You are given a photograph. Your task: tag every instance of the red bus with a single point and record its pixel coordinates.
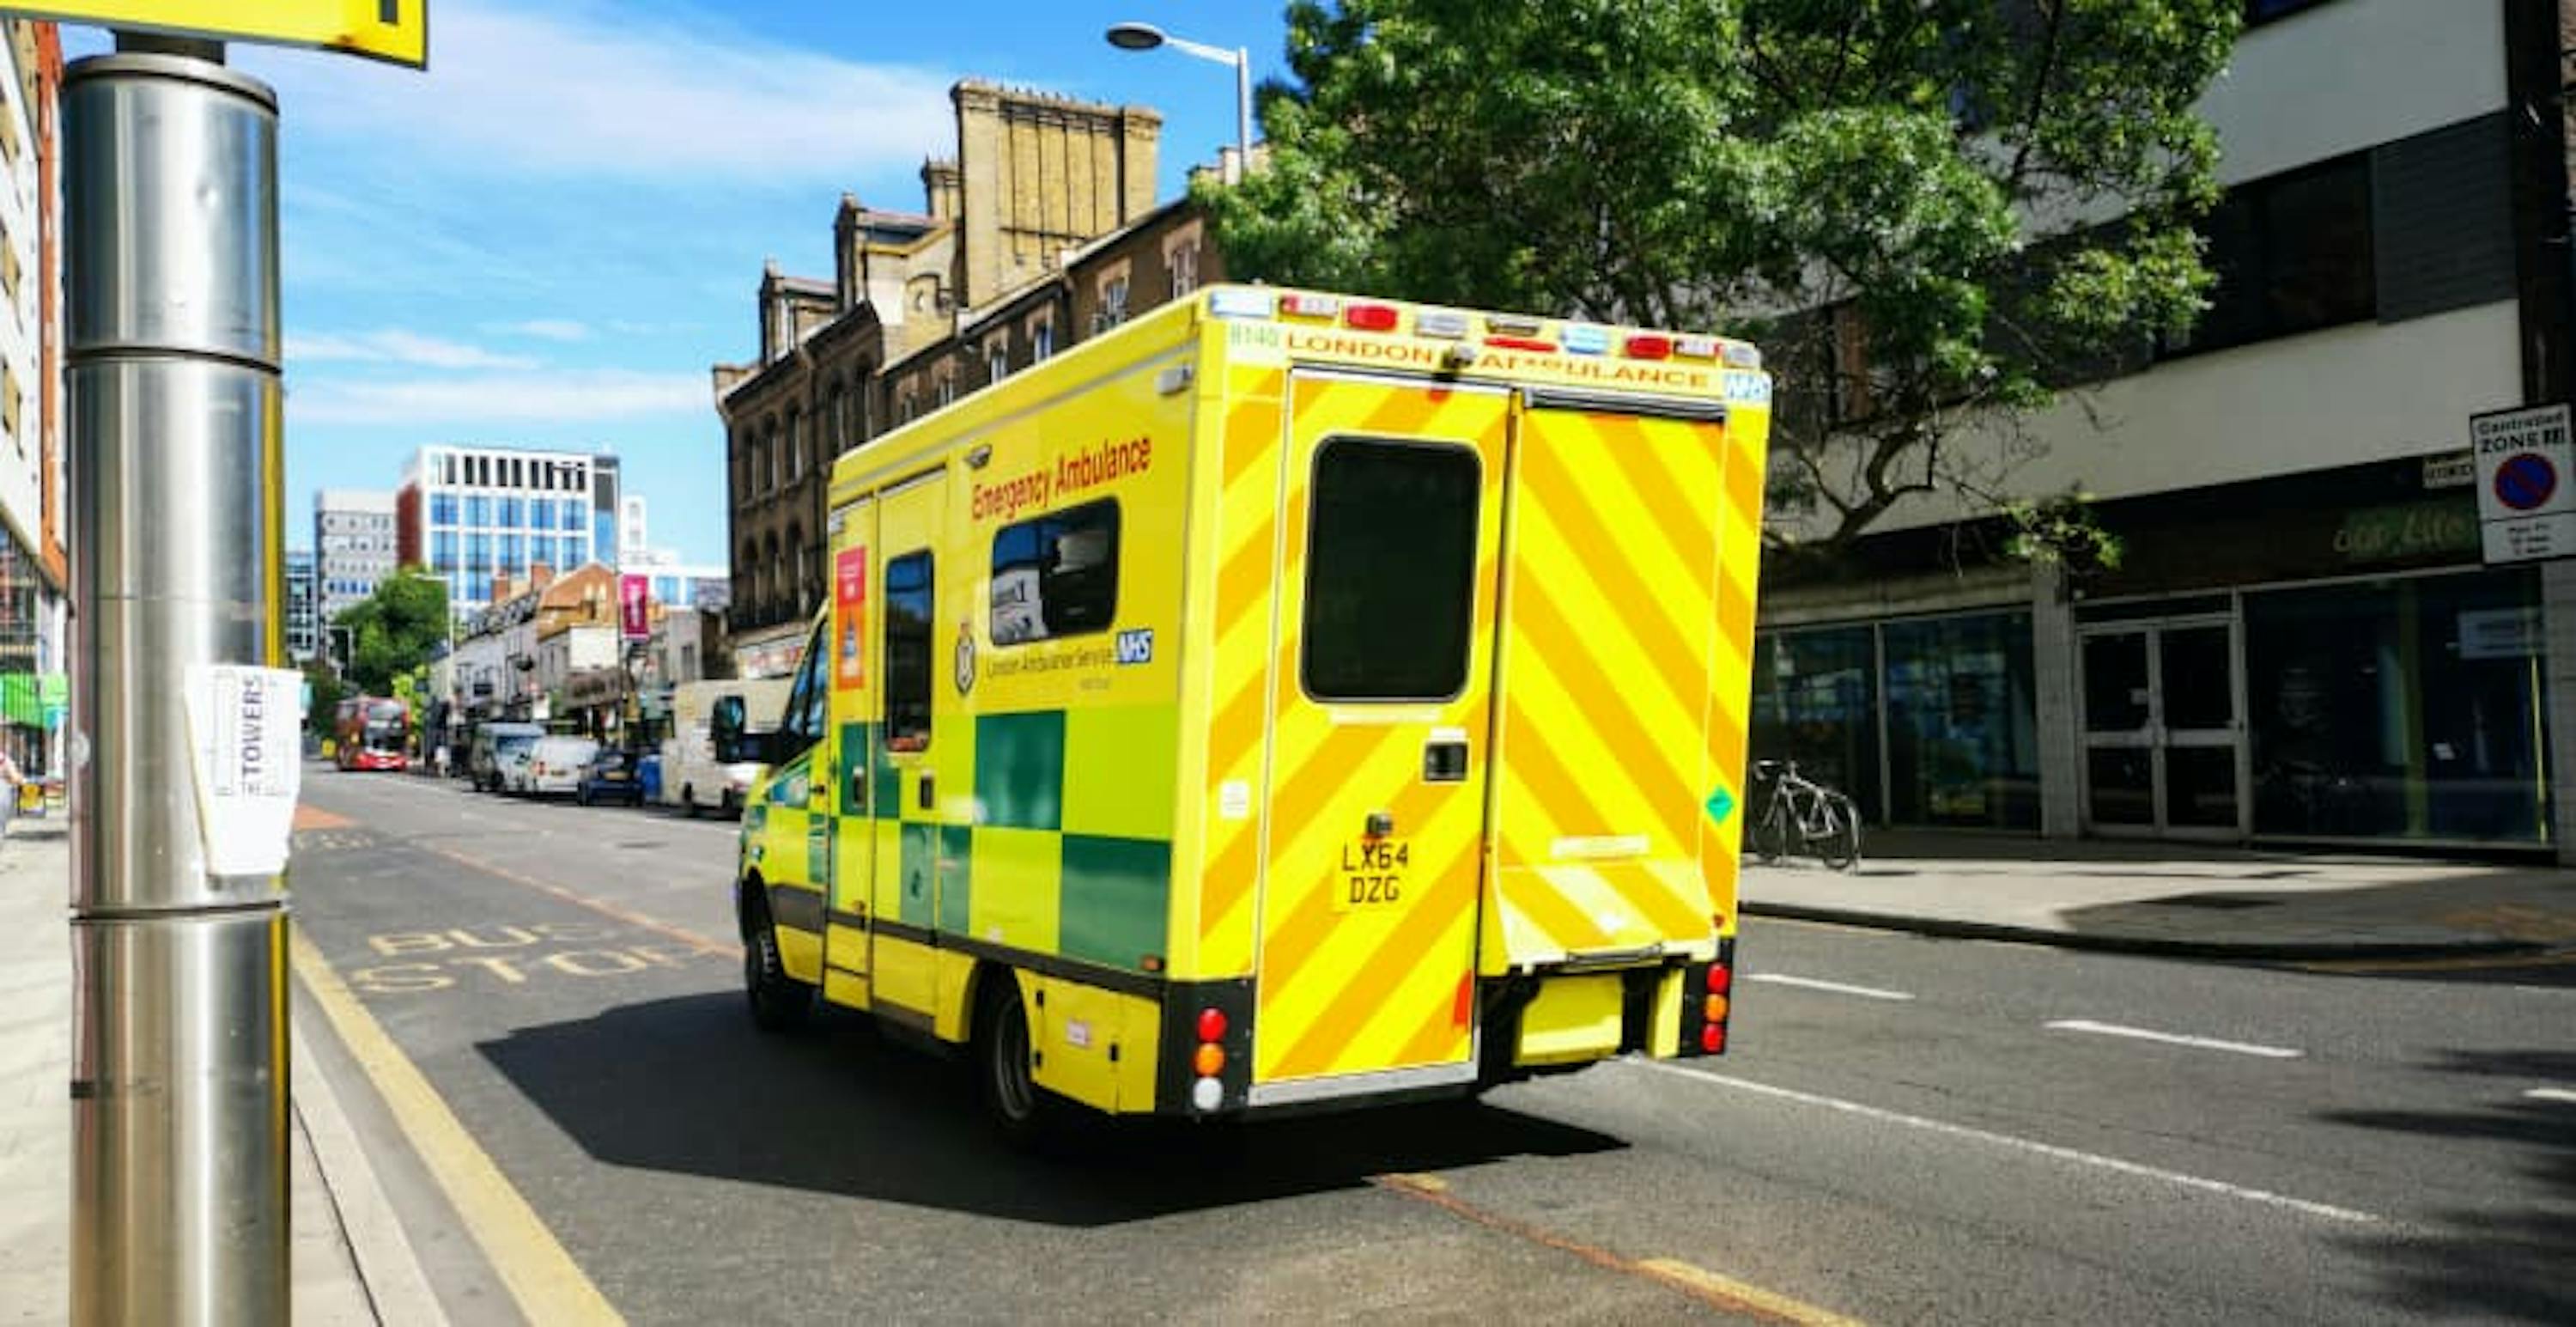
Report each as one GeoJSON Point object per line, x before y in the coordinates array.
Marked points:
{"type": "Point", "coordinates": [371, 733]}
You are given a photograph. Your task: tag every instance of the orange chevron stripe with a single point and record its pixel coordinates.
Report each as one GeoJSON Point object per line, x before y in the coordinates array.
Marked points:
{"type": "Point", "coordinates": [1243, 582]}
{"type": "Point", "coordinates": [1630, 455]}
{"type": "Point", "coordinates": [1613, 721]}
{"type": "Point", "coordinates": [1295, 939]}
{"type": "Point", "coordinates": [1373, 979]}
{"type": "Point", "coordinates": [1541, 905]}
{"type": "Point", "coordinates": [1443, 1034]}
{"type": "Point", "coordinates": [1661, 644]}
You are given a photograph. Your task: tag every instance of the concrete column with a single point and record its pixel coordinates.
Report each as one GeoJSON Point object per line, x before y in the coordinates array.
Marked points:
{"type": "Point", "coordinates": [2558, 669]}
{"type": "Point", "coordinates": [2061, 746]}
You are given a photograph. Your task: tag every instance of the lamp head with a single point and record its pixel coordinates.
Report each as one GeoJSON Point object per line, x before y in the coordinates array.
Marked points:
{"type": "Point", "coordinates": [1135, 36]}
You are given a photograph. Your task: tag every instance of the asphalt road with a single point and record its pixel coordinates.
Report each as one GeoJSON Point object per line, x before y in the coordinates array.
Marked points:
{"type": "Point", "coordinates": [1906, 1130]}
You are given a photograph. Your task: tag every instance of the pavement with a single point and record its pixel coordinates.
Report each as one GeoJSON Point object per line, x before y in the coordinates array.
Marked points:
{"type": "Point", "coordinates": [340, 1222]}
{"type": "Point", "coordinates": [2178, 900]}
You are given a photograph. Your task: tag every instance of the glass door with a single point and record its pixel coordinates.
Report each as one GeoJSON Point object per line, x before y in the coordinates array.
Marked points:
{"type": "Point", "coordinates": [2164, 737]}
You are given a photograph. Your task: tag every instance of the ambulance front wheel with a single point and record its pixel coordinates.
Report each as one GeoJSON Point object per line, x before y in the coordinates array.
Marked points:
{"type": "Point", "coordinates": [1021, 1111]}
{"type": "Point", "coordinates": [778, 1002]}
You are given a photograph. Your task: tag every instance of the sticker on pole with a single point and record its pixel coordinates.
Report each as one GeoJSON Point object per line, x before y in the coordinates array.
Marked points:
{"type": "Point", "coordinates": [395, 31]}
{"type": "Point", "coordinates": [243, 739]}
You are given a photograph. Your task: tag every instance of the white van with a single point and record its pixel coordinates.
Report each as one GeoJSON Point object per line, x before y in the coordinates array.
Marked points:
{"type": "Point", "coordinates": [553, 765]}
{"type": "Point", "coordinates": [712, 755]}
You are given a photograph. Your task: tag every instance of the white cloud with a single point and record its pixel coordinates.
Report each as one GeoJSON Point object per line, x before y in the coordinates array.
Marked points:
{"type": "Point", "coordinates": [586, 89]}
{"type": "Point", "coordinates": [502, 398]}
{"type": "Point", "coordinates": [550, 329]}
{"type": "Point", "coordinates": [393, 345]}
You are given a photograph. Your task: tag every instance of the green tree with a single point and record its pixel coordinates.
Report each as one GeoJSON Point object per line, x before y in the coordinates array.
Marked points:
{"type": "Point", "coordinates": [392, 630]}
{"type": "Point", "coordinates": [324, 711]}
{"type": "Point", "coordinates": [1933, 215]}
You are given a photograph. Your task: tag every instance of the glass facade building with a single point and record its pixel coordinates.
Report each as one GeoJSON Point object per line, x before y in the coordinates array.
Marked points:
{"type": "Point", "coordinates": [476, 515]}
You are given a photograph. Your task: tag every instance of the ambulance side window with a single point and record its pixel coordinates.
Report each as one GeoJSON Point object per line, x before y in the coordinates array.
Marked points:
{"type": "Point", "coordinates": [908, 609]}
{"type": "Point", "coordinates": [1390, 570]}
{"type": "Point", "coordinates": [1056, 575]}
{"type": "Point", "coordinates": [802, 725]}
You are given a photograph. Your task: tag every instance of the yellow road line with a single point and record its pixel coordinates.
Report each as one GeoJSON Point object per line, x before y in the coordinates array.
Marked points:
{"type": "Point", "coordinates": [1718, 1292]}
{"type": "Point", "coordinates": [548, 1285]}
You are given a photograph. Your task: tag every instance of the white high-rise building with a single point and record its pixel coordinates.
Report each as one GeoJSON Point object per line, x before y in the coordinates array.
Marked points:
{"type": "Point", "coordinates": [353, 547]}
{"type": "Point", "coordinates": [470, 514]}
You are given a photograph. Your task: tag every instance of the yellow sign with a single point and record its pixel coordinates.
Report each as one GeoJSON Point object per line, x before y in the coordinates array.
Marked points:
{"type": "Point", "coordinates": [391, 30]}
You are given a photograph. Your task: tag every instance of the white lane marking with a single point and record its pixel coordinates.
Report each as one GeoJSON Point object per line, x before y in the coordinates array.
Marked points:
{"type": "Point", "coordinates": [2174, 1038]}
{"type": "Point", "coordinates": [2220, 1187]}
{"type": "Point", "coordinates": [2551, 1094]}
{"type": "Point", "coordinates": [1811, 984]}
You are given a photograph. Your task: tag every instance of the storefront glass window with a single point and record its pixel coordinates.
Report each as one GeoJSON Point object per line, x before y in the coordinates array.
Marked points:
{"type": "Point", "coordinates": [1815, 701]}
{"type": "Point", "coordinates": [2402, 709]}
{"type": "Point", "coordinates": [1962, 727]}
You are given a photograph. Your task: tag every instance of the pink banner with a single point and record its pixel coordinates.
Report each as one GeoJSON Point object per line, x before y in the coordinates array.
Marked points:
{"type": "Point", "coordinates": [635, 606]}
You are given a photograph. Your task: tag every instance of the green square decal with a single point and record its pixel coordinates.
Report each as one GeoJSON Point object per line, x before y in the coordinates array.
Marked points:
{"type": "Point", "coordinates": [956, 877]}
{"type": "Point", "coordinates": [855, 738]}
{"type": "Point", "coordinates": [1116, 899]}
{"type": "Point", "coordinates": [1019, 769]}
{"type": "Point", "coordinates": [919, 865]}
{"type": "Point", "coordinates": [885, 787]}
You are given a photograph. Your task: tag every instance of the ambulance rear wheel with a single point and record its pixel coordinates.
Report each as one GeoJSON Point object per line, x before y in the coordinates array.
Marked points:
{"type": "Point", "coordinates": [778, 1002]}
{"type": "Point", "coordinates": [1005, 1078]}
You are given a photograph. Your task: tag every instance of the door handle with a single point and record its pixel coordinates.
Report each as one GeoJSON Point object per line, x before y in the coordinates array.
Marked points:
{"type": "Point", "coordinates": [1444, 760]}
{"type": "Point", "coordinates": [858, 798]}
{"type": "Point", "coordinates": [929, 797]}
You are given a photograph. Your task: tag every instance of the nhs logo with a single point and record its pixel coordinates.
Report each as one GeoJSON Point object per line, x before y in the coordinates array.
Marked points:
{"type": "Point", "coordinates": [1136, 647]}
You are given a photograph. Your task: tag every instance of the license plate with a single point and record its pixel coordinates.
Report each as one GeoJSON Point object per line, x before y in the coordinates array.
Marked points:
{"type": "Point", "coordinates": [1373, 874]}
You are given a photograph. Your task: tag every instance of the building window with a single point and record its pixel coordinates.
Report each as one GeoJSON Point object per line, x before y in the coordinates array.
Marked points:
{"type": "Point", "coordinates": [572, 514]}
{"type": "Point", "coordinates": [1185, 270]}
{"type": "Point", "coordinates": [909, 608]}
{"type": "Point", "coordinates": [514, 553]}
{"type": "Point", "coordinates": [1390, 570]}
{"type": "Point", "coordinates": [1042, 339]}
{"type": "Point", "coordinates": [442, 509]}
{"type": "Point", "coordinates": [541, 513]}
{"type": "Point", "coordinates": [1962, 722]}
{"type": "Point", "coordinates": [795, 446]}
{"type": "Point", "coordinates": [541, 551]}
{"type": "Point", "coordinates": [478, 550]}
{"type": "Point", "coordinates": [478, 512]}
{"type": "Point", "coordinates": [2291, 254]}
{"type": "Point", "coordinates": [1815, 701]}
{"type": "Point", "coordinates": [1113, 301]}
{"type": "Point", "coordinates": [442, 550]}
{"type": "Point", "coordinates": [513, 514]}
{"type": "Point", "coordinates": [1056, 575]}
{"type": "Point", "coordinates": [997, 361]}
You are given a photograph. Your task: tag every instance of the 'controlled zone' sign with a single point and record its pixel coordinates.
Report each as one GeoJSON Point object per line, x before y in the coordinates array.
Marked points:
{"type": "Point", "coordinates": [2526, 493]}
{"type": "Point", "coordinates": [396, 31]}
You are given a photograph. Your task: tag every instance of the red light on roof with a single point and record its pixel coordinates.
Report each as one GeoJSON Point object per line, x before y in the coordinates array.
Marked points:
{"type": "Point", "coordinates": [1650, 347]}
{"type": "Point", "coordinates": [1370, 317]}
{"type": "Point", "coordinates": [1538, 343]}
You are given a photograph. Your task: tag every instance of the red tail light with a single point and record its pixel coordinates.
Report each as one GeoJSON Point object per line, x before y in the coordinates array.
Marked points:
{"type": "Point", "coordinates": [1720, 981]}
{"type": "Point", "coordinates": [1369, 317]}
{"type": "Point", "coordinates": [1712, 1038]}
{"type": "Point", "coordinates": [1211, 1025]}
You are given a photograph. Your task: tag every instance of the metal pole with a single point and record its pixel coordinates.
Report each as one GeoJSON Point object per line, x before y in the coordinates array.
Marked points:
{"type": "Point", "coordinates": [179, 1098]}
{"type": "Point", "coordinates": [1242, 113]}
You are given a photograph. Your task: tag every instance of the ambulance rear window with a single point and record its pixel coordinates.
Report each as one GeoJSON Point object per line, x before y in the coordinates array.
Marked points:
{"type": "Point", "coordinates": [1390, 572]}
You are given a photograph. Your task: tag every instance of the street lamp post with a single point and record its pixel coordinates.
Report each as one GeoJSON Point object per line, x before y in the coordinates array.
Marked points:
{"type": "Point", "coordinates": [1145, 37]}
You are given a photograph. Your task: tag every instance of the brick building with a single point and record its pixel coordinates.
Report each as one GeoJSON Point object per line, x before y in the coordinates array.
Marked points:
{"type": "Point", "coordinates": [1042, 229]}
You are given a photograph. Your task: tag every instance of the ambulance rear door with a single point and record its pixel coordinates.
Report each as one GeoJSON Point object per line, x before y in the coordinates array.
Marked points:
{"type": "Point", "coordinates": [1376, 800]}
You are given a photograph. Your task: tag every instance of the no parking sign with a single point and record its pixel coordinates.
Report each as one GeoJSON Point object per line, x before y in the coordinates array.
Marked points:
{"type": "Point", "coordinates": [2526, 506]}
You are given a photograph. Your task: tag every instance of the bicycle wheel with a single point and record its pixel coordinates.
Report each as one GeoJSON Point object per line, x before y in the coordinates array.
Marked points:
{"type": "Point", "coordinates": [1839, 846]}
{"type": "Point", "coordinates": [1770, 834]}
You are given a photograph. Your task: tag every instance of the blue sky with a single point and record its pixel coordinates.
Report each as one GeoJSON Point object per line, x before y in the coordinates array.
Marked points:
{"type": "Point", "coordinates": [549, 237]}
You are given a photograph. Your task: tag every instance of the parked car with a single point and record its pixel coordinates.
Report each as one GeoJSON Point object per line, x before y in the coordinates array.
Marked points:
{"type": "Point", "coordinates": [496, 752]}
{"type": "Point", "coordinates": [611, 776]}
{"type": "Point", "coordinates": [554, 765]}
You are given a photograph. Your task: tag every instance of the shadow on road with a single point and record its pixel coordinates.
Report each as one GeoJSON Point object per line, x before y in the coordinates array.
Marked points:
{"type": "Point", "coordinates": [2502, 1262]}
{"type": "Point", "coordinates": [685, 1085]}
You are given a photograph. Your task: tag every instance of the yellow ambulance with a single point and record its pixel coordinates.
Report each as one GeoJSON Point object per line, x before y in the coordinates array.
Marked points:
{"type": "Point", "coordinates": [1285, 700]}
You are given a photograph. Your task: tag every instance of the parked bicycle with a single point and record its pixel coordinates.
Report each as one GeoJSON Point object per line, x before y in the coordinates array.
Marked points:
{"type": "Point", "coordinates": [1803, 816]}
